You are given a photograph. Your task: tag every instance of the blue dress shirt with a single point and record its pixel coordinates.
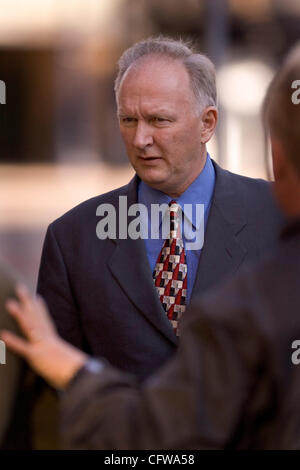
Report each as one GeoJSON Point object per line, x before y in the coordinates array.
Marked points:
{"type": "Point", "coordinates": [199, 192]}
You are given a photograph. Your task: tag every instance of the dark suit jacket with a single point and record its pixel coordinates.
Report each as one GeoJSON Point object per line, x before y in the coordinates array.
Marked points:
{"type": "Point", "coordinates": [231, 385]}
{"type": "Point", "coordinates": [101, 293]}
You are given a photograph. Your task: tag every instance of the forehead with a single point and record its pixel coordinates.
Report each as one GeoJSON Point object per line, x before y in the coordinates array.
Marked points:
{"type": "Point", "coordinates": [156, 80]}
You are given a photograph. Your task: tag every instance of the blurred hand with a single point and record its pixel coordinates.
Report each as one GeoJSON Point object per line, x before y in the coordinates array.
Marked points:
{"type": "Point", "coordinates": [48, 354]}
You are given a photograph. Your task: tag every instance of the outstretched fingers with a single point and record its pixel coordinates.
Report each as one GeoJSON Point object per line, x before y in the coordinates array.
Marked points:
{"type": "Point", "coordinates": [16, 344]}
{"type": "Point", "coordinates": [20, 314]}
{"type": "Point", "coordinates": [31, 315]}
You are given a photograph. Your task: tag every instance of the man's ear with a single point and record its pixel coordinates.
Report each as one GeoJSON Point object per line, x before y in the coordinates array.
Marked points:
{"type": "Point", "coordinates": [209, 120]}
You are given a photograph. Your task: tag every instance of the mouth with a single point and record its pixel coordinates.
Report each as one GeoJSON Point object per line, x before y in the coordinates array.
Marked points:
{"type": "Point", "coordinates": [150, 159]}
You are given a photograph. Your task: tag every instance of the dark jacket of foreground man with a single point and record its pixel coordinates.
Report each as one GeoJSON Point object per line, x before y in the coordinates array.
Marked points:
{"type": "Point", "coordinates": [232, 384]}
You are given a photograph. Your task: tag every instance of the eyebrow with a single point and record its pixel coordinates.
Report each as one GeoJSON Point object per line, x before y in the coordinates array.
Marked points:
{"type": "Point", "coordinates": [156, 113]}
{"type": "Point", "coordinates": [123, 114]}
{"type": "Point", "coordinates": [162, 112]}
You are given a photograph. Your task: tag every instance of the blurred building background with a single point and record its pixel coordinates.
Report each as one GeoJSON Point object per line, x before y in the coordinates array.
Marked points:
{"type": "Point", "coordinates": [59, 139]}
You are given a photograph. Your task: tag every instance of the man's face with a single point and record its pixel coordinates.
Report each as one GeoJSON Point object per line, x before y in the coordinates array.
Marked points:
{"type": "Point", "coordinates": [160, 126]}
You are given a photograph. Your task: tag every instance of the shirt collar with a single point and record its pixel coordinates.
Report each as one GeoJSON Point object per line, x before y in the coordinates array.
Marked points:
{"type": "Point", "coordinates": [199, 192]}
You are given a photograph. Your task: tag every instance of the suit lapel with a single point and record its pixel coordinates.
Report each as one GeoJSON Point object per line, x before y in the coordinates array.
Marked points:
{"type": "Point", "coordinates": [222, 252]}
{"type": "Point", "coordinates": [130, 267]}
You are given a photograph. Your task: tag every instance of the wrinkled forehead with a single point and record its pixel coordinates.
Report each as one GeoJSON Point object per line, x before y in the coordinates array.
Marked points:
{"type": "Point", "coordinates": [156, 75]}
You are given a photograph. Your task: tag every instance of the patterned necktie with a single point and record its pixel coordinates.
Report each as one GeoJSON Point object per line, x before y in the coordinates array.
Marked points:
{"type": "Point", "coordinates": [170, 272]}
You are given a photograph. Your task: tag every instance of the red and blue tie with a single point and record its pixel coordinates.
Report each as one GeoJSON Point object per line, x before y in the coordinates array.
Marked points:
{"type": "Point", "coordinates": [170, 272]}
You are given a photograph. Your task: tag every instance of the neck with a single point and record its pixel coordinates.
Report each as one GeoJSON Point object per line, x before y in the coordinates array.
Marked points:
{"type": "Point", "coordinates": [177, 192]}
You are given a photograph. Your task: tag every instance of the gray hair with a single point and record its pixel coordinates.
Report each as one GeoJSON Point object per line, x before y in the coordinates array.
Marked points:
{"type": "Point", "coordinates": [199, 67]}
{"type": "Point", "coordinates": [281, 116]}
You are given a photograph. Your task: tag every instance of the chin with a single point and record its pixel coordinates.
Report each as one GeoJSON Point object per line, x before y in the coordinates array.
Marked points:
{"type": "Point", "coordinates": [151, 178]}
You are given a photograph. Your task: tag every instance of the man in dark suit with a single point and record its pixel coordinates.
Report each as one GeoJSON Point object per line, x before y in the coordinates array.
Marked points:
{"type": "Point", "coordinates": [101, 292]}
{"type": "Point", "coordinates": [235, 380]}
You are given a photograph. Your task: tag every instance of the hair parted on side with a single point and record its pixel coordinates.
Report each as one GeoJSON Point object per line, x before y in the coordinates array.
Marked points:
{"type": "Point", "coordinates": [281, 116]}
{"type": "Point", "coordinates": [199, 67]}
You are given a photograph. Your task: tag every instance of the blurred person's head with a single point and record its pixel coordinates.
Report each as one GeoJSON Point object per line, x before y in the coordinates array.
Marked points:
{"type": "Point", "coordinates": [282, 121]}
{"type": "Point", "coordinates": [166, 98]}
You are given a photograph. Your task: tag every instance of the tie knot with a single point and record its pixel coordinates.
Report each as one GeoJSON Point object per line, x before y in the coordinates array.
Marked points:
{"type": "Point", "coordinates": [174, 207]}
{"type": "Point", "coordinates": [175, 219]}
{"type": "Point", "coordinates": [173, 202]}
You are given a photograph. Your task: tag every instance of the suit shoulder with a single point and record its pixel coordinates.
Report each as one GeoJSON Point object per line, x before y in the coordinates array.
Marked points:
{"type": "Point", "coordinates": [246, 181]}
{"type": "Point", "coordinates": [254, 192]}
{"type": "Point", "coordinates": [248, 198]}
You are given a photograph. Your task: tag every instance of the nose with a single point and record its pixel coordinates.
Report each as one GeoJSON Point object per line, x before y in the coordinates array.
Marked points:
{"type": "Point", "coordinates": [143, 135]}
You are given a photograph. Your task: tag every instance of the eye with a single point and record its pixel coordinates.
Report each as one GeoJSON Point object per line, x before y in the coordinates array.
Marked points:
{"type": "Point", "coordinates": [159, 120]}
{"type": "Point", "coordinates": [128, 121]}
